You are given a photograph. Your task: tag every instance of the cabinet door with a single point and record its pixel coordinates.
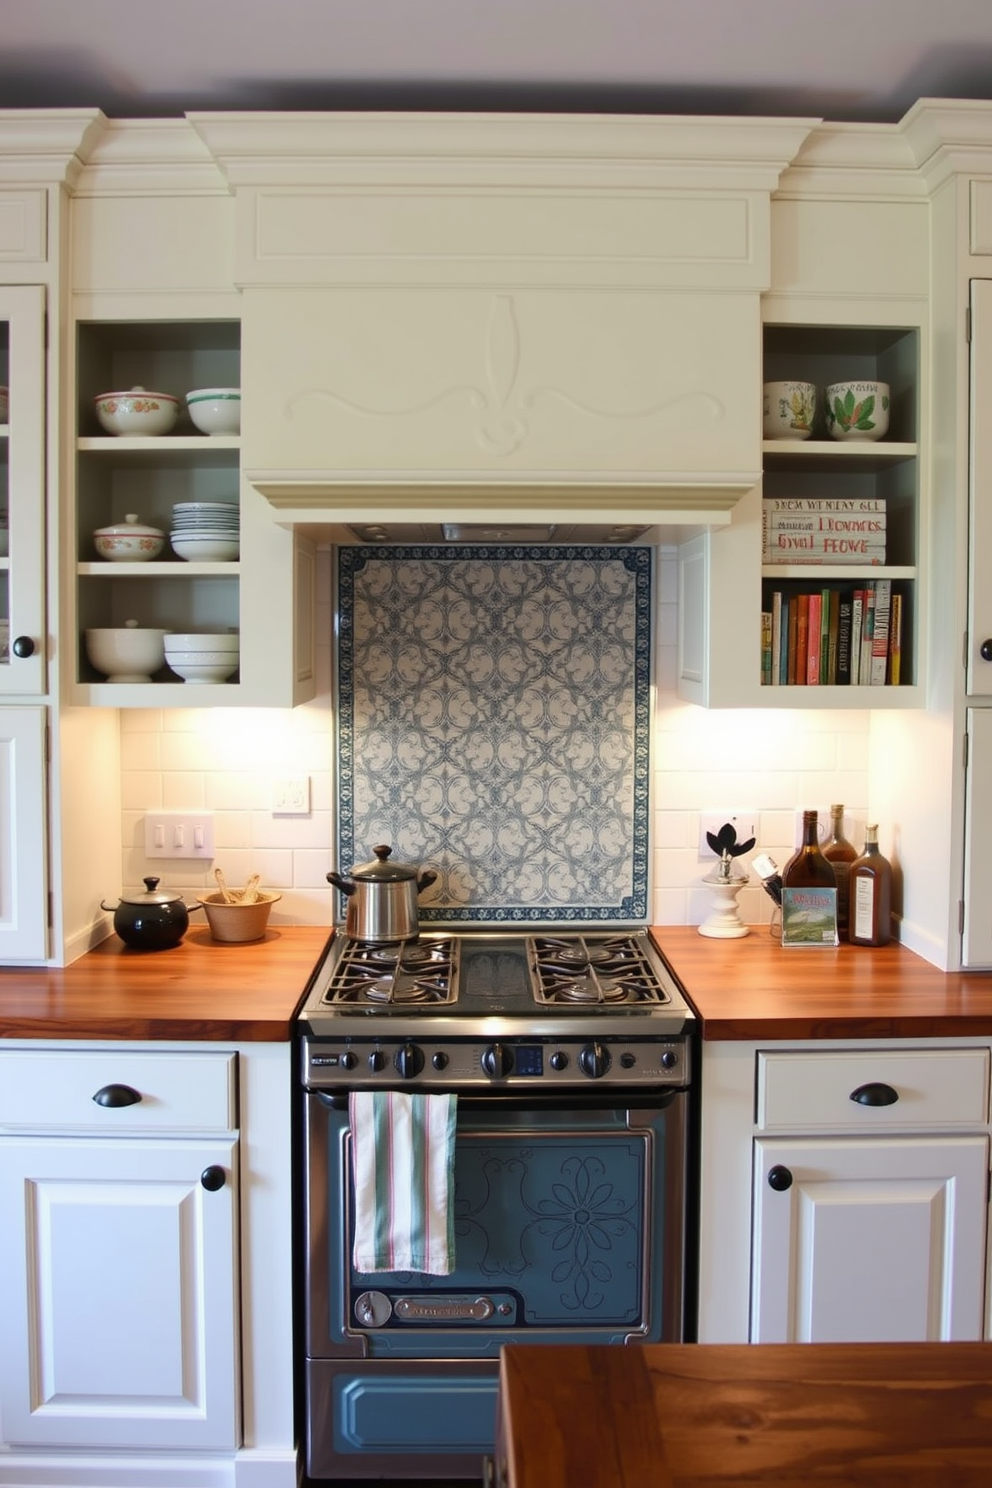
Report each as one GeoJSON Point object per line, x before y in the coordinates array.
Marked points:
{"type": "Point", "coordinates": [22, 491]}
{"type": "Point", "coordinates": [23, 859]}
{"type": "Point", "coordinates": [976, 937]}
{"type": "Point", "coordinates": [869, 1241]}
{"type": "Point", "coordinates": [117, 1293]}
{"type": "Point", "coordinates": [979, 680]}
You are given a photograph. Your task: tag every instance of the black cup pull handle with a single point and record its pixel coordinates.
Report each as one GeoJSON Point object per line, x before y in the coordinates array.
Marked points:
{"type": "Point", "coordinates": [779, 1178]}
{"type": "Point", "coordinates": [213, 1178]}
{"type": "Point", "coordinates": [22, 646]}
{"type": "Point", "coordinates": [875, 1094]}
{"type": "Point", "coordinates": [117, 1095]}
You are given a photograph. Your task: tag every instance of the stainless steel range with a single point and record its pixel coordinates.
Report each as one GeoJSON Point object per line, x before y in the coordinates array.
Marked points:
{"type": "Point", "coordinates": [571, 1056]}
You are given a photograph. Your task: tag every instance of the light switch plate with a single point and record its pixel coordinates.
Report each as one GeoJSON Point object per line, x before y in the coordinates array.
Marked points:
{"type": "Point", "coordinates": [291, 795]}
{"type": "Point", "coordinates": [179, 834]}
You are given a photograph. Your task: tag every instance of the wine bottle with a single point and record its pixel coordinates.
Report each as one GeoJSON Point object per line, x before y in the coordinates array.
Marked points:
{"type": "Point", "coordinates": [840, 854]}
{"type": "Point", "coordinates": [870, 895]}
{"type": "Point", "coordinates": [808, 868]}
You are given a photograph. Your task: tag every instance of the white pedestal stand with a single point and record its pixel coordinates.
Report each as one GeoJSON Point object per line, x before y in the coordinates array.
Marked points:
{"type": "Point", "coordinates": [723, 921]}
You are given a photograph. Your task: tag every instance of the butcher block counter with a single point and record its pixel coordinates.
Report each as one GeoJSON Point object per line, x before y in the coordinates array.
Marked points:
{"type": "Point", "coordinates": [751, 988]}
{"type": "Point", "coordinates": [200, 989]}
{"type": "Point", "coordinates": [789, 1415]}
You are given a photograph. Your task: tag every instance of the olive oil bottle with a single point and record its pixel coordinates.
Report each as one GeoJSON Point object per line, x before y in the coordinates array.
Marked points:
{"type": "Point", "coordinates": [870, 895]}
{"type": "Point", "coordinates": [840, 854]}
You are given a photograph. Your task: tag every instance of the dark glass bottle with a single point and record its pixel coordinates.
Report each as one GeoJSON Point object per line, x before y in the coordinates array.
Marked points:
{"type": "Point", "coordinates": [870, 895]}
{"type": "Point", "coordinates": [808, 868]}
{"type": "Point", "coordinates": [840, 854]}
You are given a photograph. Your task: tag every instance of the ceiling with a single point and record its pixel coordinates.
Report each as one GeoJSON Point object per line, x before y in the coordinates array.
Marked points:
{"type": "Point", "coordinates": [854, 60]}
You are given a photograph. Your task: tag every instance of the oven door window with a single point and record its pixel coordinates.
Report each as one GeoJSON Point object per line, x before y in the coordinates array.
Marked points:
{"type": "Point", "coordinates": [558, 1226]}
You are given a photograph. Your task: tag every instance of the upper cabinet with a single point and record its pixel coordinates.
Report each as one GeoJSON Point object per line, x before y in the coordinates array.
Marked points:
{"type": "Point", "coordinates": [23, 633]}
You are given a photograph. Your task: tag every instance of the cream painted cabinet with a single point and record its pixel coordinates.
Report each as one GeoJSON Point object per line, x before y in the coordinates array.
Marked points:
{"type": "Point", "coordinates": [23, 835]}
{"type": "Point", "coordinates": [976, 925]}
{"type": "Point", "coordinates": [23, 632]}
{"type": "Point", "coordinates": [118, 1250]}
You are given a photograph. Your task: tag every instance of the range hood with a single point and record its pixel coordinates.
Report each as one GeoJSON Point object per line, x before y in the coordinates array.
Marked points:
{"type": "Point", "coordinates": [501, 320]}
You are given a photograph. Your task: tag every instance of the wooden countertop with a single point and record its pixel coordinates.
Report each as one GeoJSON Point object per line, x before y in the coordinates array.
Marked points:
{"type": "Point", "coordinates": [665, 1415]}
{"type": "Point", "coordinates": [751, 988]}
{"type": "Point", "coordinates": [200, 989]}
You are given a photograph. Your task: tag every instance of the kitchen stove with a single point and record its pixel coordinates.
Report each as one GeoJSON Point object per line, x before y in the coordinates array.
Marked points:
{"type": "Point", "coordinates": [570, 1056]}
{"type": "Point", "coordinates": [456, 1011]}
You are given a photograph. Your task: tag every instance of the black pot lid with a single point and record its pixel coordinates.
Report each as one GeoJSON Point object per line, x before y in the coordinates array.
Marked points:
{"type": "Point", "coordinates": [382, 870]}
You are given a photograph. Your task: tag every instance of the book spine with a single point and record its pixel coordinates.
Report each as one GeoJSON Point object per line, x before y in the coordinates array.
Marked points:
{"type": "Point", "coordinates": [793, 638]}
{"type": "Point", "coordinates": [776, 638]}
{"type": "Point", "coordinates": [833, 633]}
{"type": "Point", "coordinates": [824, 503]}
{"type": "Point", "coordinates": [880, 632]}
{"type": "Point", "coordinates": [788, 611]}
{"type": "Point", "coordinates": [859, 524]}
{"type": "Point", "coordinates": [814, 639]}
{"type": "Point", "coordinates": [766, 648]}
{"type": "Point", "coordinates": [844, 642]}
{"type": "Point", "coordinates": [828, 547]}
{"type": "Point", "coordinates": [895, 641]}
{"type": "Point", "coordinates": [802, 637]}
{"type": "Point", "coordinates": [867, 637]}
{"type": "Point", "coordinates": [857, 628]}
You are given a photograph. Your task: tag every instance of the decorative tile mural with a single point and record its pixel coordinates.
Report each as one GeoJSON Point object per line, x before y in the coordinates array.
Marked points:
{"type": "Point", "coordinates": [493, 724]}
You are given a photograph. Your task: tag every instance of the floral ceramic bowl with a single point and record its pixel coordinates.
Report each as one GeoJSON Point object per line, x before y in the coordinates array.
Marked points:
{"type": "Point", "coordinates": [790, 408]}
{"type": "Point", "coordinates": [129, 541]}
{"type": "Point", "coordinates": [137, 412]}
{"type": "Point", "coordinates": [857, 410]}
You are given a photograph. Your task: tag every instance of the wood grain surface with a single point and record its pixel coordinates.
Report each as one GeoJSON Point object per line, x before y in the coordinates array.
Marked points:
{"type": "Point", "coordinates": [792, 1415]}
{"type": "Point", "coordinates": [753, 989]}
{"type": "Point", "coordinates": [200, 989]}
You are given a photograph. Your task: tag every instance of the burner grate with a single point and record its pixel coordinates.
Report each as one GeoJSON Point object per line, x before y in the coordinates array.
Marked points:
{"type": "Point", "coordinates": [587, 971]}
{"type": "Point", "coordinates": [401, 974]}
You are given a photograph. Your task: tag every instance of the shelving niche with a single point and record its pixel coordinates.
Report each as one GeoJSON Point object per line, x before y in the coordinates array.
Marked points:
{"type": "Point", "coordinates": [822, 467]}
{"type": "Point", "coordinates": [116, 475]}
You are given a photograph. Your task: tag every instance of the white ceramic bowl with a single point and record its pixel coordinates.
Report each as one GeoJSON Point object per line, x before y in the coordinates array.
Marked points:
{"type": "Point", "coordinates": [203, 669]}
{"type": "Point", "coordinates": [205, 548]}
{"type": "Point", "coordinates": [137, 411]}
{"type": "Point", "coordinates": [857, 410]}
{"type": "Point", "coordinates": [129, 541]}
{"type": "Point", "coordinates": [790, 409]}
{"type": "Point", "coordinates": [225, 640]}
{"type": "Point", "coordinates": [126, 653]}
{"type": "Point", "coordinates": [215, 410]}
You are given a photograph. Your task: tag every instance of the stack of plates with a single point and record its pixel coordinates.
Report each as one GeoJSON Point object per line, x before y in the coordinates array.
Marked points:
{"type": "Point", "coordinates": [206, 531]}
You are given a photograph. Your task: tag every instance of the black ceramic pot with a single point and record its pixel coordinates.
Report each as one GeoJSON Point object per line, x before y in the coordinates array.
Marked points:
{"type": "Point", "coordinates": [152, 921]}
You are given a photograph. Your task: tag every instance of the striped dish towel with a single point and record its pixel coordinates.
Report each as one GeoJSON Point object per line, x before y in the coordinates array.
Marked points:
{"type": "Point", "coordinates": [403, 1150]}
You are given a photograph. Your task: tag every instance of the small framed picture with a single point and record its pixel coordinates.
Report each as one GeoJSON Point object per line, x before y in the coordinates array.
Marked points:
{"type": "Point", "coordinates": [809, 917]}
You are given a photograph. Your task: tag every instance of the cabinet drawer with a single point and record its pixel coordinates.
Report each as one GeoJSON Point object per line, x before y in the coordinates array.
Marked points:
{"type": "Point", "coordinates": [42, 1090]}
{"type": "Point", "coordinates": [813, 1092]}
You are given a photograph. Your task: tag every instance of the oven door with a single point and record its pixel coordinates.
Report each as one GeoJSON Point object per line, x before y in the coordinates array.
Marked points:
{"type": "Point", "coordinates": [569, 1227]}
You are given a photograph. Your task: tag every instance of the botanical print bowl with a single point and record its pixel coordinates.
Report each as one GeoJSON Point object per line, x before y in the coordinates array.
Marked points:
{"type": "Point", "coordinates": [137, 412]}
{"type": "Point", "coordinates": [790, 409]}
{"type": "Point", "coordinates": [857, 410]}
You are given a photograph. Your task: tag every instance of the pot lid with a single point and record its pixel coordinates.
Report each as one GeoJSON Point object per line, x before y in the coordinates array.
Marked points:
{"type": "Point", "coordinates": [130, 527]}
{"type": "Point", "coordinates": [382, 871]}
{"type": "Point", "coordinates": [152, 895]}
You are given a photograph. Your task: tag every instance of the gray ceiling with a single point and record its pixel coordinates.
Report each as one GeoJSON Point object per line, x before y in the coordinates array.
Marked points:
{"type": "Point", "coordinates": [857, 60]}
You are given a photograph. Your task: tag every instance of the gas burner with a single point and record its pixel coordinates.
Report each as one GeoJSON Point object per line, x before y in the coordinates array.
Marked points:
{"type": "Point", "coordinates": [395, 974]}
{"type": "Point", "coordinates": [589, 971]}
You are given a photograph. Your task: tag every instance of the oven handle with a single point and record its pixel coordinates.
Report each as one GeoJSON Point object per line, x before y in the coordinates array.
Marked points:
{"type": "Point", "coordinates": [658, 1100]}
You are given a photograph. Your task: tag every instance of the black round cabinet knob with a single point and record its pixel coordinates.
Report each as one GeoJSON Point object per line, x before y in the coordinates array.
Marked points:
{"type": "Point", "coordinates": [213, 1178]}
{"type": "Point", "coordinates": [985, 648]}
{"type": "Point", "coordinates": [22, 646]}
{"type": "Point", "coordinates": [779, 1178]}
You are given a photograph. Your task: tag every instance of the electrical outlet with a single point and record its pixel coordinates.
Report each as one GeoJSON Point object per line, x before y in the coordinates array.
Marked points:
{"type": "Point", "coordinates": [743, 819]}
{"type": "Point", "coordinates": [179, 834]}
{"type": "Point", "coordinates": [822, 824]}
{"type": "Point", "coordinates": [291, 796]}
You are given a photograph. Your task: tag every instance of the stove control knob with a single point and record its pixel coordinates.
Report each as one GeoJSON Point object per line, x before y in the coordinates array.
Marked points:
{"type": "Point", "coordinates": [559, 1060]}
{"type": "Point", "coordinates": [497, 1061]}
{"type": "Point", "coordinates": [377, 1061]}
{"type": "Point", "coordinates": [349, 1060]}
{"type": "Point", "coordinates": [439, 1060]}
{"type": "Point", "coordinates": [409, 1061]}
{"type": "Point", "coordinates": [594, 1061]}
{"type": "Point", "coordinates": [627, 1061]}
{"type": "Point", "coordinates": [669, 1059]}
